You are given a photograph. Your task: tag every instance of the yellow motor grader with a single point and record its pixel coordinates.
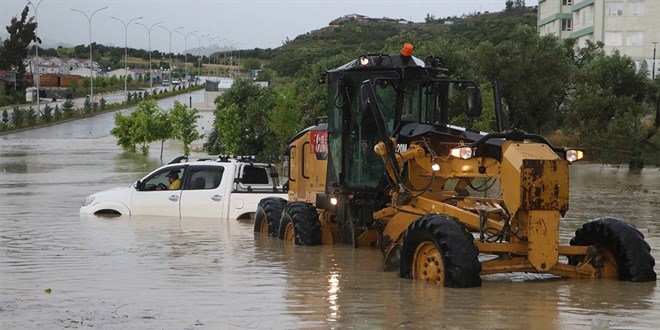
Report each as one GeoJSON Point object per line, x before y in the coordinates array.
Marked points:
{"type": "Point", "coordinates": [387, 169]}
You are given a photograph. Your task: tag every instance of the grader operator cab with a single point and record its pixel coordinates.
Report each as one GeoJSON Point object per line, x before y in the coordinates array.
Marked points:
{"type": "Point", "coordinates": [388, 170]}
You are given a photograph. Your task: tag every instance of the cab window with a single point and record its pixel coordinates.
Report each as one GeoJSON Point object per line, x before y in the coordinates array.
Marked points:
{"type": "Point", "coordinates": [160, 180]}
{"type": "Point", "coordinates": [204, 177]}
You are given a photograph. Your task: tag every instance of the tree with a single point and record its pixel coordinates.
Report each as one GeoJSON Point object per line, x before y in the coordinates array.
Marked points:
{"type": "Point", "coordinates": [251, 64]}
{"type": "Point", "coordinates": [533, 74]}
{"type": "Point", "coordinates": [15, 47]}
{"type": "Point", "coordinates": [606, 109]}
{"type": "Point", "coordinates": [184, 123]}
{"type": "Point", "coordinates": [284, 119]}
{"type": "Point", "coordinates": [47, 113]}
{"type": "Point", "coordinates": [122, 132]}
{"type": "Point", "coordinates": [5, 118]}
{"type": "Point", "coordinates": [18, 116]}
{"type": "Point", "coordinates": [252, 104]}
{"type": "Point", "coordinates": [163, 128]}
{"type": "Point", "coordinates": [67, 108]}
{"type": "Point", "coordinates": [144, 128]}
{"type": "Point", "coordinates": [227, 131]}
{"type": "Point", "coordinates": [57, 113]}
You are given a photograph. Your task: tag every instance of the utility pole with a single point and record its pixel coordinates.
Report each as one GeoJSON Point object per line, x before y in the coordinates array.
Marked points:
{"type": "Point", "coordinates": [185, 50]}
{"type": "Point", "coordinates": [36, 50]}
{"type": "Point", "coordinates": [151, 78]}
{"type": "Point", "coordinates": [170, 33]}
{"type": "Point", "coordinates": [653, 66]}
{"type": "Point", "coordinates": [126, 49]}
{"type": "Point", "coordinates": [91, 60]}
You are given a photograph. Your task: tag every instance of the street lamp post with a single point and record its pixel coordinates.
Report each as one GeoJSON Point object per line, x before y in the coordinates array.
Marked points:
{"type": "Point", "coordinates": [653, 66]}
{"type": "Point", "coordinates": [185, 46]}
{"type": "Point", "coordinates": [170, 32]}
{"type": "Point", "coordinates": [36, 50]}
{"type": "Point", "coordinates": [91, 60]}
{"type": "Point", "coordinates": [126, 49]}
{"type": "Point", "coordinates": [199, 51]}
{"type": "Point", "coordinates": [210, 39]}
{"type": "Point", "coordinates": [151, 79]}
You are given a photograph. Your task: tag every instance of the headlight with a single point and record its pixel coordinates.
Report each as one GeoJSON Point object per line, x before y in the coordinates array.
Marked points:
{"type": "Point", "coordinates": [363, 60]}
{"type": "Point", "coordinates": [88, 200]}
{"type": "Point", "coordinates": [462, 152]}
{"type": "Point", "coordinates": [573, 155]}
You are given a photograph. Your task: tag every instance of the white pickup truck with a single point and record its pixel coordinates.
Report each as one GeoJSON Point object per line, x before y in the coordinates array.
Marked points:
{"type": "Point", "coordinates": [209, 188]}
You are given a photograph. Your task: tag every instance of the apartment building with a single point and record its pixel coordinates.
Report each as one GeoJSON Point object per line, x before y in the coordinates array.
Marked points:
{"type": "Point", "coordinates": [631, 26]}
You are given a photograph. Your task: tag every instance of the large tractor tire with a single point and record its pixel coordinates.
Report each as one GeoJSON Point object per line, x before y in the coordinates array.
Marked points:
{"type": "Point", "coordinates": [267, 218]}
{"type": "Point", "coordinates": [436, 248]}
{"type": "Point", "coordinates": [300, 224]}
{"type": "Point", "coordinates": [622, 247]}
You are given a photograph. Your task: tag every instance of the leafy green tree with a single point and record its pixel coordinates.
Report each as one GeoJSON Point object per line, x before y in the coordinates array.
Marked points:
{"type": "Point", "coordinates": [67, 108]}
{"type": "Point", "coordinates": [18, 116]}
{"type": "Point", "coordinates": [284, 120]}
{"type": "Point", "coordinates": [122, 132]}
{"type": "Point", "coordinates": [47, 113]}
{"type": "Point", "coordinates": [31, 116]}
{"type": "Point", "coordinates": [226, 136]}
{"type": "Point", "coordinates": [88, 105]}
{"type": "Point", "coordinates": [533, 73]}
{"type": "Point", "coordinates": [163, 128]}
{"type": "Point", "coordinates": [74, 85]}
{"type": "Point", "coordinates": [606, 109]}
{"type": "Point", "coordinates": [15, 47]}
{"type": "Point", "coordinates": [102, 103]}
{"type": "Point", "coordinates": [129, 97]}
{"type": "Point", "coordinates": [144, 127]}
{"type": "Point", "coordinates": [184, 122]}
{"type": "Point", "coordinates": [5, 118]}
{"type": "Point", "coordinates": [57, 112]}
{"type": "Point", "coordinates": [251, 64]}
{"type": "Point", "coordinates": [253, 104]}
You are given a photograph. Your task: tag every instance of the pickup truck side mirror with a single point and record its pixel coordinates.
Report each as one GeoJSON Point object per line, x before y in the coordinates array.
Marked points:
{"type": "Point", "coordinates": [138, 185]}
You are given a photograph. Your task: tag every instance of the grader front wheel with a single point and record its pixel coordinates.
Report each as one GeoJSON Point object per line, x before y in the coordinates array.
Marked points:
{"type": "Point", "coordinates": [436, 248]}
{"type": "Point", "coordinates": [622, 251]}
{"type": "Point", "coordinates": [428, 264]}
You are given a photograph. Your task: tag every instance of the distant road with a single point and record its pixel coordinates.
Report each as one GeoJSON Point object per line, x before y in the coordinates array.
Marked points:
{"type": "Point", "coordinates": [95, 127]}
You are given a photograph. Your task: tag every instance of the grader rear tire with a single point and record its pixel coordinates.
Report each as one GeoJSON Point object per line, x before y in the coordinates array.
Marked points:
{"type": "Point", "coordinates": [436, 249]}
{"type": "Point", "coordinates": [300, 224]}
{"type": "Point", "coordinates": [622, 248]}
{"type": "Point", "coordinates": [267, 218]}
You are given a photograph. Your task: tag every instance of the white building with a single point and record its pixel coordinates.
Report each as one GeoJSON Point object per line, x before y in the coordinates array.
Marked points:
{"type": "Point", "coordinates": [85, 72]}
{"type": "Point", "coordinates": [55, 65]}
{"type": "Point", "coordinates": [124, 73]}
{"type": "Point", "coordinates": [630, 26]}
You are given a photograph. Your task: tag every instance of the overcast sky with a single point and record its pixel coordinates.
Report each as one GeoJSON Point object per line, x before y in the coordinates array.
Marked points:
{"type": "Point", "coordinates": [246, 23]}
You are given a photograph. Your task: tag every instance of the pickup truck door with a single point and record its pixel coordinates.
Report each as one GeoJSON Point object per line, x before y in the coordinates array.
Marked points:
{"type": "Point", "coordinates": [205, 193]}
{"type": "Point", "coordinates": [155, 198]}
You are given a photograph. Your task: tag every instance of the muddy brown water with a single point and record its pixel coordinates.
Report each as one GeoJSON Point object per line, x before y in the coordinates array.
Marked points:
{"type": "Point", "coordinates": [170, 273]}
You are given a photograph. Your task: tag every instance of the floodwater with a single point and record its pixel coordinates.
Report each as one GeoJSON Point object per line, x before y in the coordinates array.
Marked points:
{"type": "Point", "coordinates": [62, 270]}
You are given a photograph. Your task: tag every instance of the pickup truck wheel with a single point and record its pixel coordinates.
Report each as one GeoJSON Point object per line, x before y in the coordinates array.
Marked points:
{"type": "Point", "coordinates": [268, 214]}
{"type": "Point", "coordinates": [623, 251]}
{"type": "Point", "coordinates": [435, 249]}
{"type": "Point", "coordinates": [300, 224]}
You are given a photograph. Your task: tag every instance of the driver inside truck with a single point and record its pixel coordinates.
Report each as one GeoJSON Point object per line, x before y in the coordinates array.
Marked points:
{"type": "Point", "coordinates": [173, 179]}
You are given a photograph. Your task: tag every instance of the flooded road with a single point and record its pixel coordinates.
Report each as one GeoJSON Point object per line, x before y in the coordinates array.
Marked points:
{"type": "Point", "coordinates": [61, 270]}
